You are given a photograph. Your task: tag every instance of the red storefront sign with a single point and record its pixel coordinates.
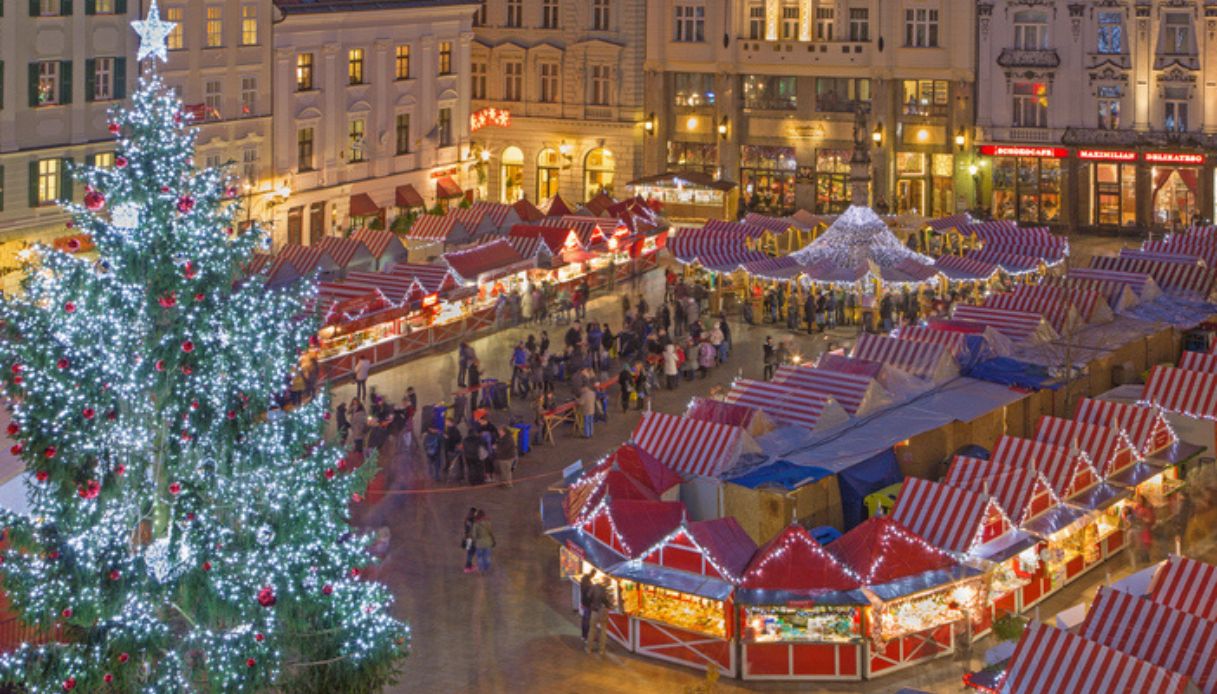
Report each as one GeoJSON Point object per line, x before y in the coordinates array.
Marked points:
{"type": "Point", "coordinates": [1106, 155]}
{"type": "Point", "coordinates": [1174, 158]}
{"type": "Point", "coordinates": [1023, 151]}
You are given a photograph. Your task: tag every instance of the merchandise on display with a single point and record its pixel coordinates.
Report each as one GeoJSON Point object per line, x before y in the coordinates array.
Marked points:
{"type": "Point", "coordinates": [816, 624]}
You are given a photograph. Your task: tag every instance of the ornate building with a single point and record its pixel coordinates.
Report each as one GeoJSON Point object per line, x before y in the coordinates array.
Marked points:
{"type": "Point", "coordinates": [1097, 114]}
{"type": "Point", "coordinates": [560, 85]}
{"type": "Point", "coordinates": [768, 93]}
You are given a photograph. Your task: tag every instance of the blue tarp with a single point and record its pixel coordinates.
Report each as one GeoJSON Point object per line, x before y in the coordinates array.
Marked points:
{"type": "Point", "coordinates": [782, 473]}
{"type": "Point", "coordinates": [867, 477]}
{"type": "Point", "coordinates": [1011, 372]}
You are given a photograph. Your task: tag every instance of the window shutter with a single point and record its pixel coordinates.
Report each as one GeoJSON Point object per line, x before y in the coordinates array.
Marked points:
{"type": "Point", "coordinates": [65, 178]}
{"type": "Point", "coordinates": [90, 78]}
{"type": "Point", "coordinates": [65, 7]}
{"type": "Point", "coordinates": [33, 183]}
{"type": "Point", "coordinates": [120, 78]}
{"type": "Point", "coordinates": [65, 81]}
{"type": "Point", "coordinates": [120, 6]}
{"type": "Point", "coordinates": [90, 6]}
{"type": "Point", "coordinates": [35, 9]}
{"type": "Point", "coordinates": [1, 188]}
{"type": "Point", "coordinates": [33, 84]}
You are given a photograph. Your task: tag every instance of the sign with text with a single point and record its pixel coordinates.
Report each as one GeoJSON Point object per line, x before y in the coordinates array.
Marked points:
{"type": "Point", "coordinates": [1174, 158]}
{"type": "Point", "coordinates": [1106, 155]}
{"type": "Point", "coordinates": [1023, 151]}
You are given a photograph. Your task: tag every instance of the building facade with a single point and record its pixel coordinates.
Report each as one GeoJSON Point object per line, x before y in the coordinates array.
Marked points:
{"type": "Point", "coordinates": [371, 104]}
{"type": "Point", "coordinates": [1098, 114]}
{"type": "Point", "coordinates": [63, 64]}
{"type": "Point", "coordinates": [773, 94]}
{"type": "Point", "coordinates": [557, 90]}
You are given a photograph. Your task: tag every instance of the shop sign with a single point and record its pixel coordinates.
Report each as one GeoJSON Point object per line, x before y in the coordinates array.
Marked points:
{"type": "Point", "coordinates": [1106, 155]}
{"type": "Point", "coordinates": [805, 174]}
{"type": "Point", "coordinates": [481, 118]}
{"type": "Point", "coordinates": [430, 300]}
{"type": "Point", "coordinates": [1174, 158]}
{"type": "Point", "coordinates": [452, 171]}
{"type": "Point", "coordinates": [1023, 151]}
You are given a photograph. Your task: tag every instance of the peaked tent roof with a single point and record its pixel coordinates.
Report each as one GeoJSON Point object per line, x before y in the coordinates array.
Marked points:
{"type": "Point", "coordinates": [794, 561]}
{"type": "Point", "coordinates": [642, 466]}
{"type": "Point", "coordinates": [379, 242]}
{"type": "Point", "coordinates": [1193, 393]}
{"type": "Point", "coordinates": [949, 518]}
{"type": "Point", "coordinates": [1019, 326]}
{"type": "Point", "coordinates": [1199, 361]}
{"type": "Point", "coordinates": [880, 550]}
{"type": "Point", "coordinates": [788, 403]}
{"type": "Point", "coordinates": [753, 420]}
{"type": "Point", "coordinates": [1144, 428]}
{"type": "Point", "coordinates": [860, 395]}
{"type": "Point", "coordinates": [1186, 584]}
{"type": "Point", "coordinates": [527, 211]}
{"type": "Point", "coordinates": [921, 359]}
{"type": "Point", "coordinates": [631, 526]}
{"type": "Point", "coordinates": [1013, 488]}
{"type": "Point", "coordinates": [692, 447]}
{"type": "Point", "coordinates": [860, 240]}
{"type": "Point", "coordinates": [1108, 451]}
{"type": "Point", "coordinates": [556, 207]}
{"type": "Point", "coordinates": [726, 542]}
{"type": "Point", "coordinates": [1067, 471]}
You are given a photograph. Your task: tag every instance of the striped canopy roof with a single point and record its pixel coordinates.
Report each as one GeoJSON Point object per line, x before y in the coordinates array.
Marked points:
{"type": "Point", "coordinates": [1013, 488]}
{"type": "Point", "coordinates": [779, 268]}
{"type": "Point", "coordinates": [1179, 278]}
{"type": "Point", "coordinates": [1048, 660]}
{"type": "Point", "coordinates": [692, 447]}
{"type": "Point", "coordinates": [778, 225]}
{"type": "Point", "coordinates": [1145, 429]}
{"type": "Point", "coordinates": [1111, 292]}
{"type": "Point", "coordinates": [499, 213]}
{"type": "Point", "coordinates": [964, 268]}
{"type": "Point", "coordinates": [920, 359]}
{"type": "Point", "coordinates": [1199, 361]}
{"type": "Point", "coordinates": [436, 228]}
{"type": "Point", "coordinates": [1068, 471]}
{"type": "Point", "coordinates": [1137, 281]}
{"type": "Point", "coordinates": [1057, 313]}
{"type": "Point", "coordinates": [1019, 326]}
{"type": "Point", "coordinates": [379, 242]}
{"type": "Point", "coordinates": [949, 518]}
{"type": "Point", "coordinates": [1162, 635]}
{"type": "Point", "coordinates": [1008, 261]}
{"type": "Point", "coordinates": [713, 251]}
{"type": "Point", "coordinates": [781, 401]}
{"type": "Point", "coordinates": [344, 251]}
{"type": "Point", "coordinates": [851, 390]}
{"type": "Point", "coordinates": [955, 221]}
{"type": "Point", "coordinates": [955, 343]}
{"type": "Point", "coordinates": [1205, 249]}
{"type": "Point", "coordinates": [1193, 393]}
{"type": "Point", "coordinates": [736, 229]}
{"type": "Point", "coordinates": [307, 259]}
{"type": "Point", "coordinates": [431, 277]}
{"type": "Point", "coordinates": [397, 289]}
{"type": "Point", "coordinates": [1186, 584]}
{"type": "Point", "coordinates": [1108, 451]}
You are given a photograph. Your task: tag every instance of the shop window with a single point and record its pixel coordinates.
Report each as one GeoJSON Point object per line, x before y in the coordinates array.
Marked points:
{"type": "Point", "coordinates": [767, 178]}
{"type": "Point", "coordinates": [1111, 33]}
{"type": "Point", "coordinates": [859, 24]}
{"type": "Point", "coordinates": [832, 181]}
{"type": "Point", "coordinates": [1027, 189]}
{"type": "Point", "coordinates": [1115, 191]}
{"type": "Point", "coordinates": [942, 185]}
{"type": "Point", "coordinates": [790, 23]}
{"type": "Point", "coordinates": [1030, 105]}
{"type": "Point", "coordinates": [598, 169]}
{"type": "Point", "coordinates": [910, 182]}
{"type": "Point", "coordinates": [926, 97]}
{"type": "Point", "coordinates": [756, 21]}
{"type": "Point", "coordinates": [770, 93]}
{"type": "Point", "coordinates": [841, 94]}
{"type": "Point", "coordinates": [693, 88]}
{"type": "Point", "coordinates": [549, 165]}
{"type": "Point", "coordinates": [1109, 107]}
{"type": "Point", "coordinates": [1175, 195]}
{"type": "Point", "coordinates": [512, 174]}
{"type": "Point", "coordinates": [693, 156]}
{"type": "Point", "coordinates": [1030, 31]}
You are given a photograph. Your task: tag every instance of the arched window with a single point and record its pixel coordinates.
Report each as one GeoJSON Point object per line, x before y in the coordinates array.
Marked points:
{"type": "Point", "coordinates": [598, 169]}
{"type": "Point", "coordinates": [549, 162]}
{"type": "Point", "coordinates": [511, 174]}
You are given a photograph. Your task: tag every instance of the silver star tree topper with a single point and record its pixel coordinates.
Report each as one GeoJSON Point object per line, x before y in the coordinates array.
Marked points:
{"type": "Point", "coordinates": [152, 34]}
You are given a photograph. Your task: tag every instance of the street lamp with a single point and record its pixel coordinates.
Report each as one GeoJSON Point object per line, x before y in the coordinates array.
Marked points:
{"type": "Point", "coordinates": [961, 139]}
{"type": "Point", "coordinates": [877, 135]}
{"type": "Point", "coordinates": [723, 127]}
{"type": "Point", "coordinates": [649, 124]}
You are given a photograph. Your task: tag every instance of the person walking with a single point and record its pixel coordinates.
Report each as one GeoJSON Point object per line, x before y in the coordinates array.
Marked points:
{"type": "Point", "coordinates": [344, 424]}
{"type": "Point", "coordinates": [671, 365]}
{"type": "Point", "coordinates": [706, 354]}
{"type": "Point", "coordinates": [585, 604]}
{"type": "Point", "coordinates": [725, 329]}
{"type": "Point", "coordinates": [595, 346]}
{"type": "Point", "coordinates": [474, 375]}
{"type": "Point", "coordinates": [625, 384]}
{"type": "Point", "coordinates": [715, 336]}
{"type": "Point", "coordinates": [506, 455]}
{"type": "Point", "coordinates": [600, 602]}
{"type": "Point", "coordinates": [484, 542]}
{"type": "Point", "coordinates": [467, 539]}
{"type": "Point", "coordinates": [587, 409]}
{"type": "Point", "coordinates": [463, 355]}
{"type": "Point", "coordinates": [642, 386]}
{"type": "Point", "coordinates": [519, 370]}
{"type": "Point", "coordinates": [361, 377]}
{"type": "Point", "coordinates": [770, 358]}
{"type": "Point", "coordinates": [359, 426]}
{"type": "Point", "coordinates": [433, 447]}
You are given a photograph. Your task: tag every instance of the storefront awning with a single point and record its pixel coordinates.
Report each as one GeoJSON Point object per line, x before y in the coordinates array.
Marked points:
{"type": "Point", "coordinates": [362, 205]}
{"type": "Point", "coordinates": [406, 197]}
{"type": "Point", "coordinates": [445, 187]}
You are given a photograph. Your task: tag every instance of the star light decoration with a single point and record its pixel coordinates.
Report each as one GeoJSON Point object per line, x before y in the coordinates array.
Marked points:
{"type": "Point", "coordinates": [153, 34]}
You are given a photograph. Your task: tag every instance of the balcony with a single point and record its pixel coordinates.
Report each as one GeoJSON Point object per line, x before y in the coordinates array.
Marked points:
{"type": "Point", "coordinates": [599, 112]}
{"type": "Point", "coordinates": [1015, 57]}
{"type": "Point", "coordinates": [1028, 135]}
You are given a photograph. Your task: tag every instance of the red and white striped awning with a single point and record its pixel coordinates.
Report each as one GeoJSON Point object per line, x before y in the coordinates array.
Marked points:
{"type": "Point", "coordinates": [345, 250]}
{"type": "Point", "coordinates": [1201, 232]}
{"type": "Point", "coordinates": [1068, 471]}
{"type": "Point", "coordinates": [1020, 492]}
{"type": "Point", "coordinates": [1199, 361]}
{"type": "Point", "coordinates": [1176, 256]}
{"type": "Point", "coordinates": [1145, 429]}
{"type": "Point", "coordinates": [692, 447]}
{"type": "Point", "coordinates": [1048, 660]}
{"type": "Point", "coordinates": [1186, 584]}
{"type": "Point", "coordinates": [736, 229]}
{"type": "Point", "coordinates": [1180, 278]}
{"type": "Point", "coordinates": [955, 343]}
{"type": "Point", "coordinates": [1058, 307]}
{"type": "Point", "coordinates": [712, 251]}
{"type": "Point", "coordinates": [851, 390]}
{"type": "Point", "coordinates": [432, 278]}
{"type": "Point", "coordinates": [1193, 393]}
{"type": "Point", "coordinates": [955, 221]}
{"type": "Point", "coordinates": [1138, 282]}
{"type": "Point", "coordinates": [920, 359]}
{"type": "Point", "coordinates": [1107, 449]}
{"type": "Point", "coordinates": [1019, 326]}
{"type": "Point", "coordinates": [949, 518]}
{"type": "Point", "coordinates": [964, 268]}
{"type": "Point", "coordinates": [1013, 263]}
{"type": "Point", "coordinates": [1205, 249]}
{"type": "Point", "coordinates": [780, 268]}
{"type": "Point", "coordinates": [991, 228]}
{"type": "Point", "coordinates": [436, 228]}
{"type": "Point", "coordinates": [1113, 293]}
{"type": "Point", "coordinates": [782, 401]}
{"type": "Point", "coordinates": [1173, 639]}
{"type": "Point", "coordinates": [395, 288]}
{"type": "Point", "coordinates": [778, 225]}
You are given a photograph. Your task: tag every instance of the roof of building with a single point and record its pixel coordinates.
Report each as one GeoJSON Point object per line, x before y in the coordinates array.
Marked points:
{"type": "Point", "coordinates": [319, 6]}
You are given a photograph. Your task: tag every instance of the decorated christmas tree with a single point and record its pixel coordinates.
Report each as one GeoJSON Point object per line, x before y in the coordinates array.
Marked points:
{"type": "Point", "coordinates": [183, 533]}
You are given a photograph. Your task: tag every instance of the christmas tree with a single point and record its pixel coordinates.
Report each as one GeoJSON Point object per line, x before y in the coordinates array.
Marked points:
{"type": "Point", "coordinates": [184, 534]}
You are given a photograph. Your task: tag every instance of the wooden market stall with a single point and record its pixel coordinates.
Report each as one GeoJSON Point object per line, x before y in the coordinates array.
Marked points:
{"type": "Point", "coordinates": [689, 194]}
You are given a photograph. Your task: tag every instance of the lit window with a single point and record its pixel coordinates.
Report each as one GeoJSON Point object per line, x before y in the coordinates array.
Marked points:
{"type": "Point", "coordinates": [103, 6]}
{"type": "Point", "coordinates": [215, 27]}
{"type": "Point", "coordinates": [355, 66]}
{"type": "Point", "coordinates": [356, 139]}
{"type": "Point", "coordinates": [48, 83]}
{"type": "Point", "coordinates": [50, 173]}
{"type": "Point", "coordinates": [445, 57]}
{"type": "Point", "coordinates": [103, 160]}
{"type": "Point", "coordinates": [304, 72]}
{"type": "Point", "coordinates": [48, 8]}
{"type": "Point", "coordinates": [402, 65]}
{"type": "Point", "coordinates": [249, 25]}
{"type": "Point", "coordinates": [174, 42]}
{"type": "Point", "coordinates": [1030, 105]}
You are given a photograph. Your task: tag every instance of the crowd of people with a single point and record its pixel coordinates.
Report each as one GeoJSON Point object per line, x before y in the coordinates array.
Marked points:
{"type": "Point", "coordinates": [826, 309]}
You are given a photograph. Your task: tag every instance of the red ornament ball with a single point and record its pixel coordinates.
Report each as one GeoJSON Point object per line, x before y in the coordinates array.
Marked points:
{"type": "Point", "coordinates": [16, 449]}
{"type": "Point", "coordinates": [326, 416]}
{"type": "Point", "coordinates": [164, 189]}
{"type": "Point", "coordinates": [159, 365]}
{"type": "Point", "coordinates": [67, 613]}
{"type": "Point", "coordinates": [327, 589]}
{"type": "Point", "coordinates": [342, 463]}
{"type": "Point", "coordinates": [63, 363]}
{"type": "Point", "coordinates": [42, 475]}
{"type": "Point", "coordinates": [90, 490]}
{"type": "Point", "coordinates": [231, 414]}
{"type": "Point", "coordinates": [13, 429]}
{"type": "Point", "coordinates": [94, 201]}
{"type": "Point", "coordinates": [50, 452]}
{"type": "Point", "coordinates": [120, 162]}
{"type": "Point", "coordinates": [175, 488]}
{"type": "Point", "coordinates": [357, 497]}
{"type": "Point", "coordinates": [70, 307]}
{"type": "Point", "coordinates": [207, 566]}
{"type": "Point", "coordinates": [329, 473]}
{"type": "Point", "coordinates": [17, 368]}
{"type": "Point", "coordinates": [259, 637]}
{"type": "Point", "coordinates": [250, 662]}
{"type": "Point", "coordinates": [69, 684]}
{"type": "Point", "coordinates": [185, 435]}
{"type": "Point", "coordinates": [194, 404]}
{"type": "Point", "coordinates": [266, 597]}
{"type": "Point", "coordinates": [123, 657]}
{"type": "Point", "coordinates": [200, 296]}
{"type": "Point", "coordinates": [53, 554]}
{"type": "Point", "coordinates": [73, 243]}
{"type": "Point", "coordinates": [115, 128]}
{"type": "Point", "coordinates": [107, 678]}
{"type": "Point", "coordinates": [168, 300]}
{"type": "Point", "coordinates": [231, 192]}
{"type": "Point", "coordinates": [187, 346]}
{"type": "Point", "coordinates": [230, 231]}
{"type": "Point", "coordinates": [186, 370]}
{"type": "Point", "coordinates": [88, 413]}
{"type": "Point", "coordinates": [185, 204]}
{"type": "Point", "coordinates": [354, 573]}
{"type": "Point", "coordinates": [115, 575]}
{"type": "Point", "coordinates": [120, 470]}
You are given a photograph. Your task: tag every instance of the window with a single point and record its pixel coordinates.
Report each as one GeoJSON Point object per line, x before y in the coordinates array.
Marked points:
{"type": "Point", "coordinates": [477, 79]}
{"type": "Point", "coordinates": [692, 156]}
{"type": "Point", "coordinates": [355, 140]}
{"type": "Point", "coordinates": [401, 64]}
{"type": "Point", "coordinates": [1111, 32]}
{"type": "Point", "coordinates": [249, 25]}
{"type": "Point", "coordinates": [174, 14]}
{"type": "Point", "coordinates": [304, 72]}
{"type": "Point", "coordinates": [549, 82]}
{"type": "Point", "coordinates": [926, 97]}
{"type": "Point", "coordinates": [769, 92]}
{"type": "Point", "coordinates": [49, 90]}
{"type": "Point", "coordinates": [600, 15]}
{"type": "Point", "coordinates": [403, 133]}
{"type": "Point", "coordinates": [249, 96]}
{"type": "Point", "coordinates": [1030, 105]}
{"type": "Point", "coordinates": [859, 24]}
{"type": "Point", "coordinates": [444, 125]}
{"type": "Point", "coordinates": [479, 17]}
{"type": "Point", "coordinates": [513, 81]}
{"type": "Point", "coordinates": [1030, 31]}
{"type": "Point", "coordinates": [790, 23]}
{"type": "Point", "coordinates": [824, 22]}
{"type": "Point", "coordinates": [50, 8]}
{"type": "Point", "coordinates": [211, 161]}
{"type": "Point", "coordinates": [548, 172]}
{"type": "Point", "coordinates": [1175, 105]}
{"type": "Point", "coordinates": [1177, 34]}
{"type": "Point", "coordinates": [1109, 107]}
{"type": "Point", "coordinates": [249, 164]}
{"type": "Point", "coordinates": [515, 13]}
{"type": "Point", "coordinates": [355, 66]}
{"type": "Point", "coordinates": [213, 99]}
{"type": "Point", "coordinates": [102, 160]}
{"type": "Point", "coordinates": [102, 88]}
{"type": "Point", "coordinates": [690, 23]}
{"type": "Point", "coordinates": [693, 88]}
{"type": "Point", "coordinates": [445, 57]}
{"type": "Point", "coordinates": [215, 27]}
{"type": "Point", "coordinates": [102, 7]}
{"type": "Point", "coordinates": [921, 27]}
{"type": "Point", "coordinates": [304, 149]}
{"type": "Point", "coordinates": [841, 94]}
{"type": "Point", "coordinates": [50, 180]}
{"type": "Point", "coordinates": [549, 14]}
{"type": "Point", "coordinates": [756, 22]}
{"type": "Point", "coordinates": [601, 85]}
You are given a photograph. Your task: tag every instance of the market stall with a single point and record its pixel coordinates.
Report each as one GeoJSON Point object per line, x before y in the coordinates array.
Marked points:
{"type": "Point", "coordinates": [1144, 429]}
{"type": "Point", "coordinates": [680, 595]}
{"type": "Point", "coordinates": [386, 247]}
{"type": "Point", "coordinates": [923, 360]}
{"type": "Point", "coordinates": [788, 403]}
{"type": "Point", "coordinates": [1019, 326]}
{"type": "Point", "coordinates": [579, 555]}
{"type": "Point", "coordinates": [1192, 393]}
{"type": "Point", "coordinates": [630, 526]}
{"type": "Point", "coordinates": [967, 269]}
{"type": "Point", "coordinates": [1069, 471]}
{"type": "Point", "coordinates": [1178, 279]}
{"type": "Point", "coordinates": [800, 613]}
{"type": "Point", "coordinates": [950, 518]}
{"type": "Point", "coordinates": [860, 394]}
{"type": "Point", "coordinates": [1069, 545]}
{"type": "Point", "coordinates": [1061, 315]}
{"type": "Point", "coordinates": [495, 268]}
{"type": "Point", "coordinates": [1186, 584]}
{"type": "Point", "coordinates": [1108, 451]}
{"type": "Point", "coordinates": [689, 194]}
{"type": "Point", "coordinates": [752, 420]}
